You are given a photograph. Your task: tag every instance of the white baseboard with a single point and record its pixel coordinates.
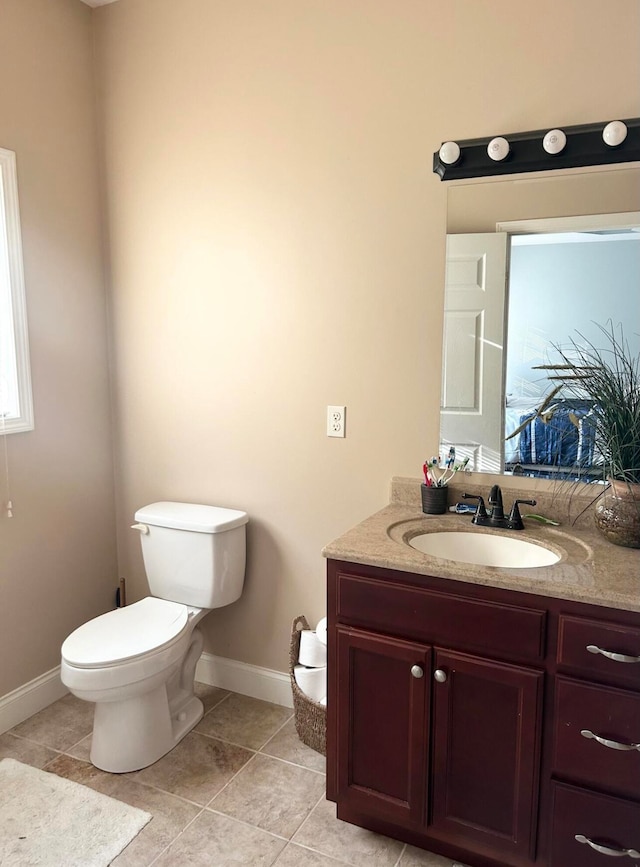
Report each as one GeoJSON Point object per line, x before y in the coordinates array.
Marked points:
{"type": "Point", "coordinates": [19, 705]}
{"type": "Point", "coordinates": [252, 680]}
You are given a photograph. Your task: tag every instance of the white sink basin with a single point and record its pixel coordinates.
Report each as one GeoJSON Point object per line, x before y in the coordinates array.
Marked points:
{"type": "Point", "coordinates": [483, 549]}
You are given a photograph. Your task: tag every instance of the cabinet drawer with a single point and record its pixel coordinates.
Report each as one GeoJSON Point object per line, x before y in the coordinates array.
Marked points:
{"type": "Point", "coordinates": [442, 618]}
{"type": "Point", "coordinates": [612, 714]}
{"type": "Point", "coordinates": [621, 643]}
{"type": "Point", "coordinates": [606, 821]}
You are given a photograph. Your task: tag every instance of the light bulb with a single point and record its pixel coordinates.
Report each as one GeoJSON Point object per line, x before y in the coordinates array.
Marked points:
{"type": "Point", "coordinates": [614, 133]}
{"type": "Point", "coordinates": [554, 142]}
{"type": "Point", "coordinates": [498, 148]}
{"type": "Point", "coordinates": [449, 153]}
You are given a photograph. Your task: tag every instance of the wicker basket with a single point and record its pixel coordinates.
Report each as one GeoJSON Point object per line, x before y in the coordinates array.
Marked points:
{"type": "Point", "coordinates": [310, 716]}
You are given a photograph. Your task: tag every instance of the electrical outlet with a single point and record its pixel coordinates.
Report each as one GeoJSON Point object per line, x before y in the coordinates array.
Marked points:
{"type": "Point", "coordinates": [336, 421]}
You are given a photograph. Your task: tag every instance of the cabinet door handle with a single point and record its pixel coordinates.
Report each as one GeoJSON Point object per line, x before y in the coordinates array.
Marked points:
{"type": "Point", "coordinates": [617, 657]}
{"type": "Point", "coordinates": [613, 745]}
{"type": "Point", "coordinates": [440, 675]}
{"type": "Point", "coordinates": [416, 671]}
{"type": "Point", "coordinates": [606, 850]}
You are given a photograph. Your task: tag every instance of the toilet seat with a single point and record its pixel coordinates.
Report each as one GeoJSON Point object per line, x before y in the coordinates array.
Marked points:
{"type": "Point", "coordinates": [126, 634]}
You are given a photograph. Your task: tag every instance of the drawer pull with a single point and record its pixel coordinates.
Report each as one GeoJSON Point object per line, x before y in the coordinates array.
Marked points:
{"type": "Point", "coordinates": [613, 745]}
{"type": "Point", "coordinates": [616, 657]}
{"type": "Point", "coordinates": [606, 850]}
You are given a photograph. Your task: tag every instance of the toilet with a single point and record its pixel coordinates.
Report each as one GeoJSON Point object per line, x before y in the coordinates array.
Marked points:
{"type": "Point", "coordinates": [138, 663]}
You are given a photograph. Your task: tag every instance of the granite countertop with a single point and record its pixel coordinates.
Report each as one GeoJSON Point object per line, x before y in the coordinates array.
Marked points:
{"type": "Point", "coordinates": [590, 568]}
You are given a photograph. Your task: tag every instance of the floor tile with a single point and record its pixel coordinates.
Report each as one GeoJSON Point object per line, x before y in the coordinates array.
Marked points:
{"type": "Point", "coordinates": [297, 856]}
{"type": "Point", "coordinates": [25, 751]}
{"type": "Point", "coordinates": [170, 814]}
{"type": "Point", "coordinates": [59, 726]}
{"type": "Point", "coordinates": [213, 798]}
{"type": "Point", "coordinates": [81, 750]}
{"type": "Point", "coordinates": [356, 846]}
{"type": "Point", "coordinates": [245, 721]}
{"type": "Point", "coordinates": [413, 857]}
{"type": "Point", "coordinates": [78, 771]}
{"type": "Point", "coordinates": [286, 744]}
{"type": "Point", "coordinates": [196, 769]}
{"type": "Point", "coordinates": [213, 839]}
{"type": "Point", "coordinates": [210, 696]}
{"type": "Point", "coordinates": [271, 794]}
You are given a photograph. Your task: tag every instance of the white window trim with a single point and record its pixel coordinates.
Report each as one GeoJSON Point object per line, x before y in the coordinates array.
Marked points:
{"type": "Point", "coordinates": [10, 229]}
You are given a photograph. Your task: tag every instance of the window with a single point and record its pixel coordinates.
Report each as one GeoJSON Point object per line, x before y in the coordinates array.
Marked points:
{"type": "Point", "coordinates": [16, 409]}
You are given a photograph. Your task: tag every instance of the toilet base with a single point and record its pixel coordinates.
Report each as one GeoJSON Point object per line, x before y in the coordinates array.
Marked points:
{"type": "Point", "coordinates": [131, 734]}
{"type": "Point", "coordinates": [134, 732]}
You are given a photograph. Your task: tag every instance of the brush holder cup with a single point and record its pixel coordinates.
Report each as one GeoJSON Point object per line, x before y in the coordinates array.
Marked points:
{"type": "Point", "coordinates": [434, 500]}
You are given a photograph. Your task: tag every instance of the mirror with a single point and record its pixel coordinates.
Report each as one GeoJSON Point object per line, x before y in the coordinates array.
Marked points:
{"type": "Point", "coordinates": [530, 263]}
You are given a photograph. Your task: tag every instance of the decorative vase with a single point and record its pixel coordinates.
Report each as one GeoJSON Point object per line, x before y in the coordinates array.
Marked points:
{"type": "Point", "coordinates": [617, 514]}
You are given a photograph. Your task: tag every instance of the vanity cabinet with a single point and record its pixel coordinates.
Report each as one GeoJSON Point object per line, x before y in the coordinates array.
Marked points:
{"type": "Point", "coordinates": [595, 765]}
{"type": "Point", "coordinates": [383, 769]}
{"type": "Point", "coordinates": [456, 715]}
{"type": "Point", "coordinates": [485, 742]}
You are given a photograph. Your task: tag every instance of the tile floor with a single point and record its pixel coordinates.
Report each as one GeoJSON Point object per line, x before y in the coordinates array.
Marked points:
{"type": "Point", "coordinates": [240, 789]}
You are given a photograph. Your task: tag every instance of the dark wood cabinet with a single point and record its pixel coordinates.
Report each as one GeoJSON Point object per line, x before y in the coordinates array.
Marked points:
{"type": "Point", "coordinates": [597, 736]}
{"type": "Point", "coordinates": [383, 715]}
{"type": "Point", "coordinates": [589, 829]}
{"type": "Point", "coordinates": [457, 712]}
{"type": "Point", "coordinates": [486, 752]}
{"type": "Point", "coordinates": [599, 650]}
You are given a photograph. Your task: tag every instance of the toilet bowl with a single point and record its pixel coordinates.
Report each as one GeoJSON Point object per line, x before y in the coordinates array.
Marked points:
{"type": "Point", "coordinates": [138, 663]}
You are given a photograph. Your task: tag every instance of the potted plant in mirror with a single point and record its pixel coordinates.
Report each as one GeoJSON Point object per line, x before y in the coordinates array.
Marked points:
{"type": "Point", "coordinates": [609, 380]}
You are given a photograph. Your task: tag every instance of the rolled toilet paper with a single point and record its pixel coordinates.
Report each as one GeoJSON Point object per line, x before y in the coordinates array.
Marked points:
{"type": "Point", "coordinates": [321, 631]}
{"type": "Point", "coordinates": [312, 652]}
{"type": "Point", "coordinates": [312, 681]}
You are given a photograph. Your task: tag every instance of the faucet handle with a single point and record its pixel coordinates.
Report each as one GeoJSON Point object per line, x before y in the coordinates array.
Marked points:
{"type": "Point", "coordinates": [481, 511]}
{"type": "Point", "coordinates": [515, 518]}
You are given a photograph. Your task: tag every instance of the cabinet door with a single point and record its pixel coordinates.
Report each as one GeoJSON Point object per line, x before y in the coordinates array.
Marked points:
{"type": "Point", "coordinates": [486, 747]}
{"type": "Point", "coordinates": [382, 719]}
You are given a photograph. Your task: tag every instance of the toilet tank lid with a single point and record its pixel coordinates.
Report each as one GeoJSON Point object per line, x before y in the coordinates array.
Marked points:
{"type": "Point", "coordinates": [190, 516]}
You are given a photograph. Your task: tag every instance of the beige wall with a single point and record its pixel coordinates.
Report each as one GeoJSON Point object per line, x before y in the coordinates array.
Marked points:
{"type": "Point", "coordinates": [57, 554]}
{"type": "Point", "coordinates": [277, 245]}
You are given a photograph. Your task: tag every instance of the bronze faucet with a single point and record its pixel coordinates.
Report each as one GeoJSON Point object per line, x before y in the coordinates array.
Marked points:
{"type": "Point", "coordinates": [496, 517]}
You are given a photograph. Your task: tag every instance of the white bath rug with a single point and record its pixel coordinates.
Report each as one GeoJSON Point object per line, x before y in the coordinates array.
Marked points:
{"type": "Point", "coordinates": [48, 821]}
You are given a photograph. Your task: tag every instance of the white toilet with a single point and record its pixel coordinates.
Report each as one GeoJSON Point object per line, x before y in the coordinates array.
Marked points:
{"type": "Point", "coordinates": [138, 663]}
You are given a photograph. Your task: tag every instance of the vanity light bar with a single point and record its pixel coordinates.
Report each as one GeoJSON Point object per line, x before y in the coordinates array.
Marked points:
{"type": "Point", "coordinates": [591, 144]}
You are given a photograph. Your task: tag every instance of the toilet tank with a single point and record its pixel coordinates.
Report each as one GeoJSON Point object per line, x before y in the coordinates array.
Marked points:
{"type": "Point", "coordinates": [193, 554]}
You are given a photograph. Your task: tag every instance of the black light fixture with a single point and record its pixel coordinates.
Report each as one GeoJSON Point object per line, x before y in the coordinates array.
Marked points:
{"type": "Point", "coordinates": [591, 144]}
